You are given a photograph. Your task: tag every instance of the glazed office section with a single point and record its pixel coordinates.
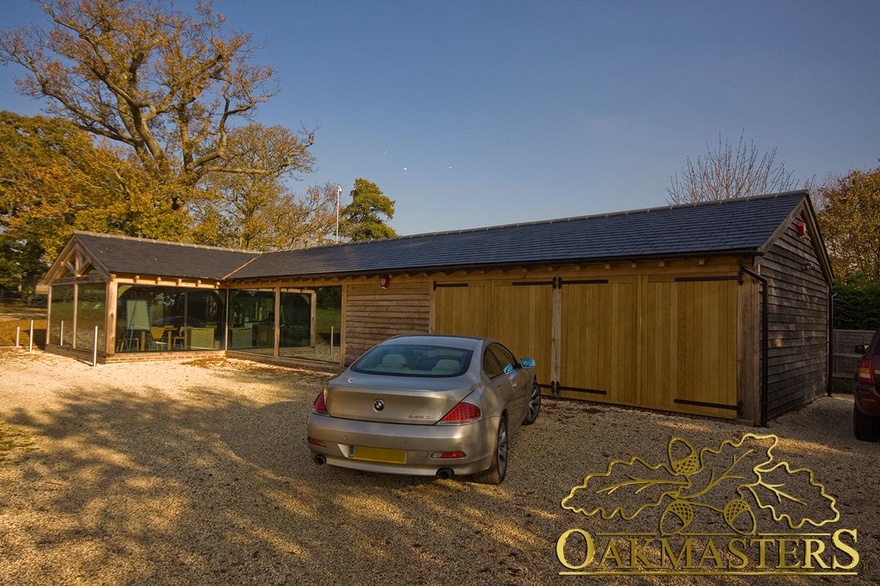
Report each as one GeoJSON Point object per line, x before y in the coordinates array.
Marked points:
{"type": "Point", "coordinates": [78, 315]}
{"type": "Point", "coordinates": [274, 322]}
{"type": "Point", "coordinates": [286, 322]}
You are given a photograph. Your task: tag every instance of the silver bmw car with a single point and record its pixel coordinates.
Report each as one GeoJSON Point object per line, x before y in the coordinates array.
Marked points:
{"type": "Point", "coordinates": [426, 405]}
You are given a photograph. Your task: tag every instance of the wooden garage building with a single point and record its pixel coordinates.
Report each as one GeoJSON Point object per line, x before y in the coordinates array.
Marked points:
{"type": "Point", "coordinates": [718, 309]}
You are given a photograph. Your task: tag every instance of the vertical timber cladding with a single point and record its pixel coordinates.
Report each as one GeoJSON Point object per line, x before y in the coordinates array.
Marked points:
{"type": "Point", "coordinates": [599, 337]}
{"type": "Point", "coordinates": [522, 319]}
{"type": "Point", "coordinates": [666, 340]}
{"type": "Point", "coordinates": [518, 313]}
{"type": "Point", "coordinates": [662, 338]}
{"type": "Point", "coordinates": [689, 345]}
{"type": "Point", "coordinates": [462, 308]}
{"type": "Point", "coordinates": [374, 314]}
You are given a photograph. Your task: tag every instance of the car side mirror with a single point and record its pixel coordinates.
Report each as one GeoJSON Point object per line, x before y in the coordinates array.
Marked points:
{"type": "Point", "coordinates": [861, 348]}
{"type": "Point", "coordinates": [527, 363]}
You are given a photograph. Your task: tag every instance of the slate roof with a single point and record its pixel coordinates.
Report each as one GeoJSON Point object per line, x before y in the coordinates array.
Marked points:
{"type": "Point", "coordinates": [138, 256]}
{"type": "Point", "coordinates": [740, 226]}
{"type": "Point", "coordinates": [728, 227]}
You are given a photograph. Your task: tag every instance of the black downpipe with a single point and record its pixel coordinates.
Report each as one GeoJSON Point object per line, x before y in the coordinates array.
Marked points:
{"type": "Point", "coordinates": [830, 339]}
{"type": "Point", "coordinates": [765, 331]}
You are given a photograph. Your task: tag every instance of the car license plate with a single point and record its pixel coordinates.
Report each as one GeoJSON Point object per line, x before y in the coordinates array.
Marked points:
{"type": "Point", "coordinates": [377, 454]}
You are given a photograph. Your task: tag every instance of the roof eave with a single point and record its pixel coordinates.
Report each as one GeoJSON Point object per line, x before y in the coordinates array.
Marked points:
{"type": "Point", "coordinates": [503, 265]}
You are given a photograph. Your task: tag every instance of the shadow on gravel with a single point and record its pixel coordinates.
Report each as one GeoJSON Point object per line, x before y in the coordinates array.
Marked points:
{"type": "Point", "coordinates": [211, 486]}
{"type": "Point", "coordinates": [137, 487]}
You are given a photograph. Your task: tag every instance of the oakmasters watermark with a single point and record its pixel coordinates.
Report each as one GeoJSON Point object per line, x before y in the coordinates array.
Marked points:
{"type": "Point", "coordinates": [733, 509]}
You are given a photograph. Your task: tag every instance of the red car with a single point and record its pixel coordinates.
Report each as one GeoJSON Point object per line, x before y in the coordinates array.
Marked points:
{"type": "Point", "coordinates": [866, 411]}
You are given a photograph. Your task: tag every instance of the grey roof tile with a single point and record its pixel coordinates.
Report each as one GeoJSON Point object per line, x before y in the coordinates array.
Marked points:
{"type": "Point", "coordinates": [138, 256]}
{"type": "Point", "coordinates": [730, 226]}
{"type": "Point", "coordinates": [716, 228]}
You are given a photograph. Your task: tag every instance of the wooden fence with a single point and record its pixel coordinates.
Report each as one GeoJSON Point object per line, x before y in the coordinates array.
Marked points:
{"type": "Point", "coordinates": [845, 361]}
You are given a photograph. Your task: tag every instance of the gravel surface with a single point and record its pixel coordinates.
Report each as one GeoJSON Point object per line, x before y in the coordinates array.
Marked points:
{"type": "Point", "coordinates": [198, 472]}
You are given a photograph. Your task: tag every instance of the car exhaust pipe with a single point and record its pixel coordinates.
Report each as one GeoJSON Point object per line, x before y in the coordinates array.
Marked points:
{"type": "Point", "coordinates": [445, 473]}
{"type": "Point", "coordinates": [320, 459]}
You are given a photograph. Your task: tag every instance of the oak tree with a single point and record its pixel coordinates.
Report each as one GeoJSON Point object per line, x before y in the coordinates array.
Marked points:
{"type": "Point", "coordinates": [244, 209]}
{"type": "Point", "coordinates": [168, 84]}
{"type": "Point", "coordinates": [301, 221]}
{"type": "Point", "coordinates": [55, 179]}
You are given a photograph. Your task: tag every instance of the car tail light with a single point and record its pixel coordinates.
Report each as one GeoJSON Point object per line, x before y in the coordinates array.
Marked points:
{"type": "Point", "coordinates": [319, 406]}
{"type": "Point", "coordinates": [448, 455]}
{"type": "Point", "coordinates": [865, 368]}
{"type": "Point", "coordinates": [462, 413]}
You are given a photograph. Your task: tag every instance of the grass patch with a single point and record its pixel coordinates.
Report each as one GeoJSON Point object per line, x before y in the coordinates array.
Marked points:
{"type": "Point", "coordinates": [221, 362]}
{"type": "Point", "coordinates": [19, 307]}
{"type": "Point", "coordinates": [8, 329]}
{"type": "Point", "coordinates": [17, 315]}
{"type": "Point", "coordinates": [325, 318]}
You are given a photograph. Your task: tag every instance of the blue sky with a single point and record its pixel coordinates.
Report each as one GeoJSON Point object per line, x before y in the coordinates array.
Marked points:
{"type": "Point", "coordinates": [473, 114]}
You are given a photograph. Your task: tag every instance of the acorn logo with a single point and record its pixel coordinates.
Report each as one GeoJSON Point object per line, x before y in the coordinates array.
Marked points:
{"type": "Point", "coordinates": [710, 506]}
{"type": "Point", "coordinates": [731, 481]}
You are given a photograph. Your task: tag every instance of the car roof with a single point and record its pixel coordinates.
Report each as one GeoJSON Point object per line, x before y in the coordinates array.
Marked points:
{"type": "Point", "coordinates": [468, 342]}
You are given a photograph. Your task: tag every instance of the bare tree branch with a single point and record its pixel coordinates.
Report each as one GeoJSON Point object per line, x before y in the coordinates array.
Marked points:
{"type": "Point", "coordinates": [168, 84]}
{"type": "Point", "coordinates": [728, 173]}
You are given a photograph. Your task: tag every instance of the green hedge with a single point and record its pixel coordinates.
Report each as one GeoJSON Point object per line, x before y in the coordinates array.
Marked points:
{"type": "Point", "coordinates": [857, 306]}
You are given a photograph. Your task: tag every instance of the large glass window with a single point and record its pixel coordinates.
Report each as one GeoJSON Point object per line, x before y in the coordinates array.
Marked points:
{"type": "Point", "coordinates": [252, 321]}
{"type": "Point", "coordinates": [328, 322]}
{"type": "Point", "coordinates": [315, 318]}
{"type": "Point", "coordinates": [296, 331]}
{"type": "Point", "coordinates": [168, 318]}
{"type": "Point", "coordinates": [308, 322]}
{"type": "Point", "coordinates": [90, 308]}
{"type": "Point", "coordinates": [61, 328]}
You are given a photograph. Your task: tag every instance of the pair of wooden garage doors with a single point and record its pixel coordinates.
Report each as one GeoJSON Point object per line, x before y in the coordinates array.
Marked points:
{"type": "Point", "coordinates": [658, 342]}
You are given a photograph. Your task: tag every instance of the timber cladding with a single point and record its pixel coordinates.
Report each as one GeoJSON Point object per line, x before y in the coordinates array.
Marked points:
{"type": "Point", "coordinates": [662, 335]}
{"type": "Point", "coordinates": [373, 314]}
{"type": "Point", "coordinates": [518, 312]}
{"type": "Point", "coordinates": [798, 312]}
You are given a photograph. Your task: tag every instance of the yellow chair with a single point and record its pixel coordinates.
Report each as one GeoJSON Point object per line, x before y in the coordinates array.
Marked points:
{"type": "Point", "coordinates": [158, 337]}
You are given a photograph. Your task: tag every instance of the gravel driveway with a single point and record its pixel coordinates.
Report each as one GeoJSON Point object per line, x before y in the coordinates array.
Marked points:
{"type": "Point", "coordinates": [198, 472]}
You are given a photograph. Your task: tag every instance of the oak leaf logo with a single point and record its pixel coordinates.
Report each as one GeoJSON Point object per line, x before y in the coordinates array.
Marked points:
{"type": "Point", "coordinates": [734, 480]}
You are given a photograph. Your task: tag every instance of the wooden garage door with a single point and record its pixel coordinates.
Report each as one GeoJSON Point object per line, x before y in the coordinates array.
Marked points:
{"type": "Point", "coordinates": [522, 319]}
{"type": "Point", "coordinates": [461, 309]}
{"type": "Point", "coordinates": [598, 348]}
{"type": "Point", "coordinates": [689, 347]}
{"type": "Point", "coordinates": [519, 314]}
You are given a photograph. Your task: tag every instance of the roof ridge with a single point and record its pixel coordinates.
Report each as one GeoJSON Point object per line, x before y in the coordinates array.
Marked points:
{"type": "Point", "coordinates": [799, 192]}
{"type": "Point", "coordinates": [237, 269]}
{"type": "Point", "coordinates": [257, 254]}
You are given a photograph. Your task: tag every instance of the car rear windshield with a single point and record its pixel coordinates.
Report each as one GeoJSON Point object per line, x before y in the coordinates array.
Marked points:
{"type": "Point", "coordinates": [414, 360]}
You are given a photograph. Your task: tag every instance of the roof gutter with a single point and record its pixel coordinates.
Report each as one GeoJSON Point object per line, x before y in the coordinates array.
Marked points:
{"type": "Point", "coordinates": [765, 338]}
